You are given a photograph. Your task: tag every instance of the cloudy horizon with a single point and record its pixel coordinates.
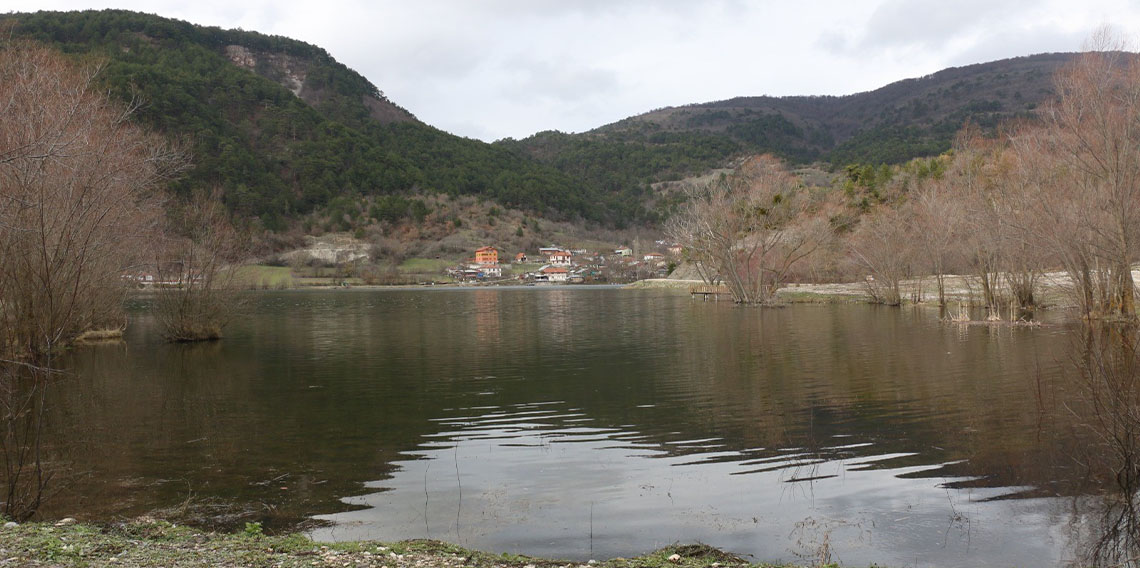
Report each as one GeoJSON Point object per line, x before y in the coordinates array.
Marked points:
{"type": "Point", "coordinates": [508, 68]}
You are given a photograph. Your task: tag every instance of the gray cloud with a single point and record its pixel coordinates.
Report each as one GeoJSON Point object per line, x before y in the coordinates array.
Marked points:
{"type": "Point", "coordinates": [929, 23]}
{"type": "Point", "coordinates": [1016, 43]}
{"type": "Point", "coordinates": [561, 80]}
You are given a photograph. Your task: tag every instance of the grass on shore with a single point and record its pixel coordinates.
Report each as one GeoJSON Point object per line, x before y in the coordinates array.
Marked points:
{"type": "Point", "coordinates": [100, 335]}
{"type": "Point", "coordinates": [431, 266]}
{"type": "Point", "coordinates": [147, 542]}
{"type": "Point", "coordinates": [264, 277]}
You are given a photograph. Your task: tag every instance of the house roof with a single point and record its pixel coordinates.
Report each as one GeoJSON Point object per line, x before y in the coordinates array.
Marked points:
{"type": "Point", "coordinates": [554, 270]}
{"type": "Point", "coordinates": [485, 249]}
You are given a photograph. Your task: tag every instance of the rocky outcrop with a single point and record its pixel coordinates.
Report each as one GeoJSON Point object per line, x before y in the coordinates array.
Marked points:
{"type": "Point", "coordinates": [286, 70]}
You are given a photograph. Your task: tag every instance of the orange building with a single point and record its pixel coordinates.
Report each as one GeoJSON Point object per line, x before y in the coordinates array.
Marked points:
{"type": "Point", "coordinates": [487, 255]}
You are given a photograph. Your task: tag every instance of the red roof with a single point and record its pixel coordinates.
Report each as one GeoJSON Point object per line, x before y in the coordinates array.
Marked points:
{"type": "Point", "coordinates": [482, 249]}
{"type": "Point", "coordinates": [554, 270]}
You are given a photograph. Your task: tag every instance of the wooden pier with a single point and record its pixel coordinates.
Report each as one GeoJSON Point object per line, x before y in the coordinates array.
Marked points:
{"type": "Point", "coordinates": [705, 291]}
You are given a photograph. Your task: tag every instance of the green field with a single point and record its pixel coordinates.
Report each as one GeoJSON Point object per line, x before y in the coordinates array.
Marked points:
{"type": "Point", "coordinates": [433, 266]}
{"type": "Point", "coordinates": [265, 277]}
{"type": "Point", "coordinates": [517, 269]}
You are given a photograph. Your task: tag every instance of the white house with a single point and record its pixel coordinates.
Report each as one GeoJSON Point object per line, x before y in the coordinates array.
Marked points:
{"type": "Point", "coordinates": [490, 270]}
{"type": "Point", "coordinates": [555, 274]}
{"type": "Point", "coordinates": [560, 258]}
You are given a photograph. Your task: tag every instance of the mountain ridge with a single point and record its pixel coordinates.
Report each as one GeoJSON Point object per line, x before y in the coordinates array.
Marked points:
{"type": "Point", "coordinates": [289, 133]}
{"type": "Point", "coordinates": [937, 104]}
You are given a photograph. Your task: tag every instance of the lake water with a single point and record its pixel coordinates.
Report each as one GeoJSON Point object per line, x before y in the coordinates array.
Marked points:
{"type": "Point", "coordinates": [585, 422]}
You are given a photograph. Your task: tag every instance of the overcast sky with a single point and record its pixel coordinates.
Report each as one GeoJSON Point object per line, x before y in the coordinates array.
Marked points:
{"type": "Point", "coordinates": [490, 69]}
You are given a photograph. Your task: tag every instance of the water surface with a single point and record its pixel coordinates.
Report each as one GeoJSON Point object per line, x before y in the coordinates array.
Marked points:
{"type": "Point", "coordinates": [586, 422]}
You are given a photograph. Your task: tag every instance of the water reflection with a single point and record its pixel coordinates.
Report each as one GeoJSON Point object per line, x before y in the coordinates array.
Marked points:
{"type": "Point", "coordinates": [487, 317]}
{"type": "Point", "coordinates": [1101, 408]}
{"type": "Point", "coordinates": [582, 422]}
{"type": "Point", "coordinates": [547, 479]}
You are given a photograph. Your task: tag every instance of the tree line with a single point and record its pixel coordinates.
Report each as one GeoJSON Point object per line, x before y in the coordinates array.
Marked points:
{"type": "Point", "coordinates": [1059, 192]}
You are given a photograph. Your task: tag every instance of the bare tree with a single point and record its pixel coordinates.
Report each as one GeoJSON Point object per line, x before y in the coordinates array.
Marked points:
{"type": "Point", "coordinates": [78, 195]}
{"type": "Point", "coordinates": [972, 178]}
{"type": "Point", "coordinates": [883, 246]}
{"type": "Point", "coordinates": [198, 268]}
{"type": "Point", "coordinates": [749, 228]}
{"type": "Point", "coordinates": [1092, 132]}
{"type": "Point", "coordinates": [78, 199]}
{"type": "Point", "coordinates": [936, 221]}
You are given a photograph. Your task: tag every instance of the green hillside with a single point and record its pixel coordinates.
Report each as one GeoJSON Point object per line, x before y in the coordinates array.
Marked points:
{"type": "Point", "coordinates": [903, 120]}
{"type": "Point", "coordinates": [289, 133]}
{"type": "Point", "coordinates": [286, 130]}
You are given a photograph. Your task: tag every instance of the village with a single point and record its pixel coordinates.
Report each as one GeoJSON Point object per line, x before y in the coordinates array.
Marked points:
{"type": "Point", "coordinates": [555, 264]}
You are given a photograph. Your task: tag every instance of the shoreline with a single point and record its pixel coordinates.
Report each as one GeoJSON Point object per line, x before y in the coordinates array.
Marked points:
{"type": "Point", "coordinates": [960, 290]}
{"type": "Point", "coordinates": [147, 542]}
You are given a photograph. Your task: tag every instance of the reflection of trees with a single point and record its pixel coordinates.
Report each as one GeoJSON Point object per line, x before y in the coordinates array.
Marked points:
{"type": "Point", "coordinates": [152, 425]}
{"type": "Point", "coordinates": [1103, 405]}
{"type": "Point", "coordinates": [334, 386]}
{"type": "Point", "coordinates": [801, 376]}
{"type": "Point", "coordinates": [28, 467]}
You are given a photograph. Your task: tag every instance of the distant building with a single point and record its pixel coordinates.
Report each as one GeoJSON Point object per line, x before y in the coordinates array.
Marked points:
{"type": "Point", "coordinates": [520, 257]}
{"type": "Point", "coordinates": [676, 250]}
{"type": "Point", "coordinates": [560, 258]}
{"type": "Point", "coordinates": [554, 274]}
{"type": "Point", "coordinates": [140, 278]}
{"type": "Point", "coordinates": [476, 271]}
{"type": "Point", "coordinates": [486, 256]}
{"type": "Point", "coordinates": [624, 251]}
{"type": "Point", "coordinates": [653, 257]}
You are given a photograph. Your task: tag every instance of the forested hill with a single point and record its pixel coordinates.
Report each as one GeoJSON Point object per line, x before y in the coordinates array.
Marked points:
{"type": "Point", "coordinates": [287, 132]}
{"type": "Point", "coordinates": [285, 129]}
{"type": "Point", "coordinates": [903, 120]}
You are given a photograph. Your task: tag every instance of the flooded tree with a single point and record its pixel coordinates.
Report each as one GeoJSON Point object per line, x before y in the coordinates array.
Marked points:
{"type": "Point", "coordinates": [749, 228]}
{"type": "Point", "coordinates": [936, 224]}
{"type": "Point", "coordinates": [78, 199]}
{"type": "Point", "coordinates": [78, 202]}
{"type": "Point", "coordinates": [883, 247]}
{"type": "Point", "coordinates": [198, 267]}
{"type": "Point", "coordinates": [1089, 183]}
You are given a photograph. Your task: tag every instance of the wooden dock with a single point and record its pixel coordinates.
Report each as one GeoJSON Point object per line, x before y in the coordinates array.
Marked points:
{"type": "Point", "coordinates": [705, 291]}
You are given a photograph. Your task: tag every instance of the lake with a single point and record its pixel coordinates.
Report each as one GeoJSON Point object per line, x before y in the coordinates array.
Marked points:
{"type": "Point", "coordinates": [584, 422]}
